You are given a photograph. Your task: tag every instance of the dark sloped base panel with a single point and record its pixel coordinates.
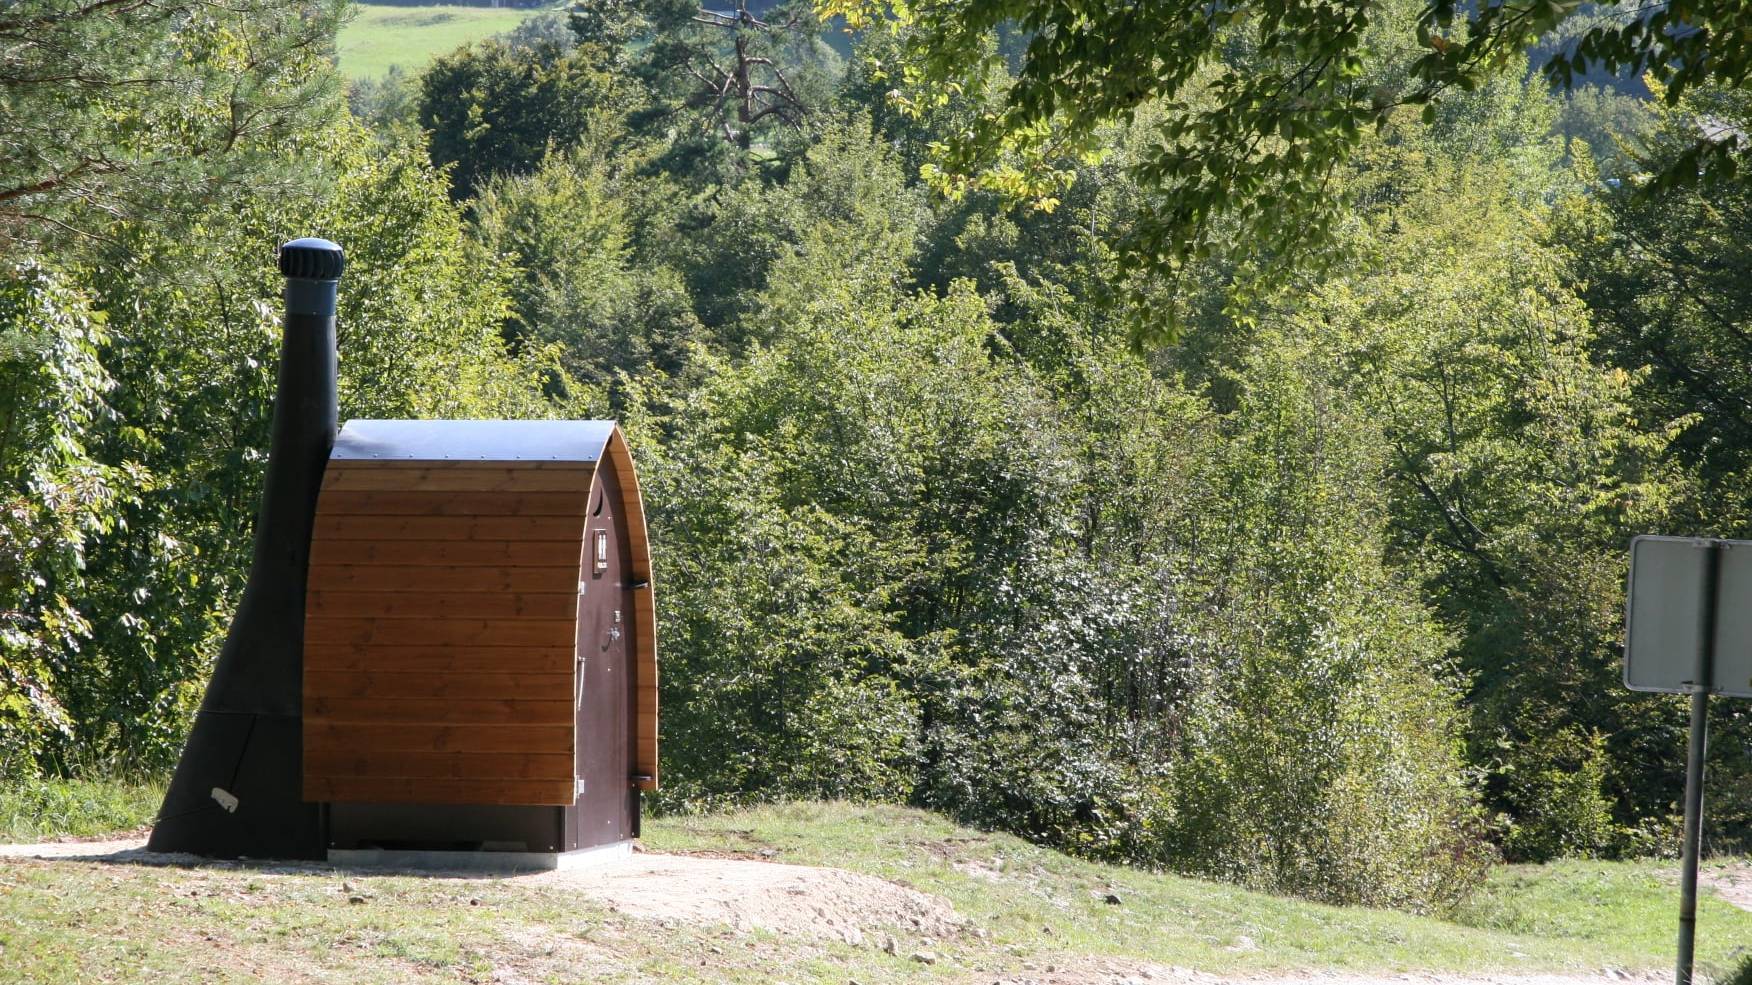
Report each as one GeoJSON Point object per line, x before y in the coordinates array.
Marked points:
{"type": "Point", "coordinates": [256, 759]}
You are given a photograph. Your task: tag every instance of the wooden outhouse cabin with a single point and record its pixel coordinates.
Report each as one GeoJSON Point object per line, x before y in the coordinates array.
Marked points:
{"type": "Point", "coordinates": [480, 668]}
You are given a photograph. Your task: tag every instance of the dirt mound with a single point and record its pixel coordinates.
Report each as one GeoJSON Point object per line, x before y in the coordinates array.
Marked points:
{"type": "Point", "coordinates": [745, 894]}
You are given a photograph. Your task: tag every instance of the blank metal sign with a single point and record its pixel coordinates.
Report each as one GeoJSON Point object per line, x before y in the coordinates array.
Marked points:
{"type": "Point", "coordinates": [1664, 636]}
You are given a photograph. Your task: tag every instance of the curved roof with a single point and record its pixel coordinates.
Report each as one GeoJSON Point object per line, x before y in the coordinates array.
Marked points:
{"type": "Point", "coordinates": [472, 441]}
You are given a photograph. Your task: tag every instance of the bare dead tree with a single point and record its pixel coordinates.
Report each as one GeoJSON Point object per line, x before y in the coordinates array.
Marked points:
{"type": "Point", "coordinates": [732, 57]}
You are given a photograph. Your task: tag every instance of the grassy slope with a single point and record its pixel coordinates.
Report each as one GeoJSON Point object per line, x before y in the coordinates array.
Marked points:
{"type": "Point", "coordinates": [67, 921]}
{"type": "Point", "coordinates": [1581, 916]}
{"type": "Point", "coordinates": [380, 36]}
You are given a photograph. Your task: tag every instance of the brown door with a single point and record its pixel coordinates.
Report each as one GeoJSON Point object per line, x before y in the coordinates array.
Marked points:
{"type": "Point", "coordinates": [605, 625]}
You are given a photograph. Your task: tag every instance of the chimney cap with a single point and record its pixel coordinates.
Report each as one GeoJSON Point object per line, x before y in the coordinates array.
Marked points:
{"type": "Point", "coordinates": [311, 258]}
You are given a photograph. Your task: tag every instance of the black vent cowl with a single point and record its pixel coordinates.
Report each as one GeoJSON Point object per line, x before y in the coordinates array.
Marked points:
{"type": "Point", "coordinates": [311, 259]}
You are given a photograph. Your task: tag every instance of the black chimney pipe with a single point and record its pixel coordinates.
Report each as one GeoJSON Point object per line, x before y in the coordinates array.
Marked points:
{"type": "Point", "coordinates": [237, 789]}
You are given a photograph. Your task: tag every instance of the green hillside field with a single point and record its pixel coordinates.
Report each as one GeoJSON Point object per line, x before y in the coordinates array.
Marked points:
{"type": "Point", "coordinates": [379, 36]}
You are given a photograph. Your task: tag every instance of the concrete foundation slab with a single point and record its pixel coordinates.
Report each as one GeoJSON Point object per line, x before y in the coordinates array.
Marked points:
{"type": "Point", "coordinates": [443, 861]}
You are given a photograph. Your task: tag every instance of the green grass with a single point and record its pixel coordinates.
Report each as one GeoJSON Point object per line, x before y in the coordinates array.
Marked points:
{"type": "Point", "coordinates": [379, 36]}
{"type": "Point", "coordinates": [1634, 903]}
{"type": "Point", "coordinates": [35, 810]}
{"type": "Point", "coordinates": [1031, 908]}
{"type": "Point", "coordinates": [1581, 917]}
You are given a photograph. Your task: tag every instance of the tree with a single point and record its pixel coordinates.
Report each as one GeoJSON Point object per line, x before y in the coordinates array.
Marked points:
{"type": "Point", "coordinates": [138, 108]}
{"type": "Point", "coordinates": [1517, 470]}
{"type": "Point", "coordinates": [1668, 273]}
{"type": "Point", "coordinates": [566, 229]}
{"type": "Point", "coordinates": [743, 76]}
{"type": "Point", "coordinates": [1265, 100]}
{"type": "Point", "coordinates": [731, 58]}
{"type": "Point", "coordinates": [1324, 757]}
{"type": "Point", "coordinates": [845, 197]}
{"type": "Point", "coordinates": [55, 497]}
{"type": "Point", "coordinates": [387, 102]}
{"type": "Point", "coordinates": [1004, 571]}
{"type": "Point", "coordinates": [1611, 124]}
{"type": "Point", "coordinates": [192, 332]}
{"type": "Point", "coordinates": [497, 109]}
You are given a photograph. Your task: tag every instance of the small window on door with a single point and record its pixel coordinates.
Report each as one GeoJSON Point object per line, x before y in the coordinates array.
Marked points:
{"type": "Point", "coordinates": [601, 551]}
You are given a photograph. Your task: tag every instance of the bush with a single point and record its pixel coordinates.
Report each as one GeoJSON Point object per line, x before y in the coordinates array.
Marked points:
{"type": "Point", "coordinates": [897, 564]}
{"type": "Point", "coordinates": [1740, 975]}
{"type": "Point", "coordinates": [1556, 786]}
{"type": "Point", "coordinates": [1324, 758]}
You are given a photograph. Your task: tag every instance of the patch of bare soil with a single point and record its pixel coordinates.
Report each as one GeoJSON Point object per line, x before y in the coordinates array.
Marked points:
{"type": "Point", "coordinates": [1605, 975]}
{"type": "Point", "coordinates": [524, 957]}
{"type": "Point", "coordinates": [1119, 973]}
{"type": "Point", "coordinates": [1732, 883]}
{"type": "Point", "coordinates": [745, 894]}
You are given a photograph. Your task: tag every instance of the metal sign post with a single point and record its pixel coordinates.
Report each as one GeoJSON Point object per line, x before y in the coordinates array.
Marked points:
{"type": "Point", "coordinates": [1694, 758]}
{"type": "Point", "coordinates": [1679, 639]}
{"type": "Point", "coordinates": [1697, 750]}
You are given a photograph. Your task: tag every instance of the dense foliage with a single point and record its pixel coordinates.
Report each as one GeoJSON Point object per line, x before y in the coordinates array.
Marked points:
{"type": "Point", "coordinates": [1268, 100]}
{"type": "Point", "coordinates": [1323, 597]}
{"type": "Point", "coordinates": [140, 106]}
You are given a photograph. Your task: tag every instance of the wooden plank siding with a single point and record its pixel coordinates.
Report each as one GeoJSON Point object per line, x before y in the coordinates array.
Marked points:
{"type": "Point", "coordinates": [441, 578]}
{"type": "Point", "coordinates": [439, 659]}
{"type": "Point", "coordinates": [399, 502]}
{"type": "Point", "coordinates": [439, 711]}
{"type": "Point", "coordinates": [434, 790]}
{"type": "Point", "coordinates": [447, 765]}
{"type": "Point", "coordinates": [441, 528]}
{"type": "Point", "coordinates": [440, 632]}
{"type": "Point", "coordinates": [403, 477]}
{"type": "Point", "coordinates": [369, 631]}
{"type": "Point", "coordinates": [409, 601]}
{"type": "Point", "coordinates": [323, 735]}
{"type": "Point", "coordinates": [327, 685]}
{"type": "Point", "coordinates": [445, 553]}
